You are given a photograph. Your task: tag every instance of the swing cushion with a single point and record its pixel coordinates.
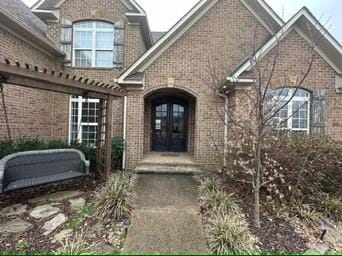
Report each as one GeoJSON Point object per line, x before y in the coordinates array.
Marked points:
{"type": "Point", "coordinates": [32, 168]}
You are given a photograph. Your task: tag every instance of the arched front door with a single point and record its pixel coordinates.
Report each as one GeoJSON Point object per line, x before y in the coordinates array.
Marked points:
{"type": "Point", "coordinates": [169, 125]}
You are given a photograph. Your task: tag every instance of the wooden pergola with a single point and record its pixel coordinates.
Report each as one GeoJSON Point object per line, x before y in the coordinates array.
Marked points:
{"type": "Point", "coordinates": [26, 75]}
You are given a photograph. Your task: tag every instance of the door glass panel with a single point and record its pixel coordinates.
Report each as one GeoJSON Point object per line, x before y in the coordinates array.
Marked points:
{"type": "Point", "coordinates": [169, 127]}
{"type": "Point", "coordinates": [178, 119]}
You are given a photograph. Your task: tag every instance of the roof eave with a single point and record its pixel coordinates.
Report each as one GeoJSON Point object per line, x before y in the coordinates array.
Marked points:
{"type": "Point", "coordinates": [145, 27]}
{"type": "Point", "coordinates": [32, 36]}
{"type": "Point", "coordinates": [46, 15]}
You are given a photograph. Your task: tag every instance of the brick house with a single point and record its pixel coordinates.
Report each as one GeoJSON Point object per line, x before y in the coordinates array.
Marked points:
{"type": "Point", "coordinates": [169, 107]}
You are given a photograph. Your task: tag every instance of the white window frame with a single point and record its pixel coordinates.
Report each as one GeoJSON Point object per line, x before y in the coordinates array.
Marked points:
{"type": "Point", "coordinates": [79, 100]}
{"type": "Point", "coordinates": [290, 112]}
{"type": "Point", "coordinates": [93, 49]}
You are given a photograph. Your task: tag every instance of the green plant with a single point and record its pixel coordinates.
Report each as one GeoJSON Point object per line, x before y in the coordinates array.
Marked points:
{"type": "Point", "coordinates": [21, 245]}
{"type": "Point", "coordinates": [79, 217]}
{"type": "Point", "coordinates": [6, 148]}
{"type": "Point", "coordinates": [75, 222]}
{"type": "Point", "coordinates": [115, 198]}
{"type": "Point", "coordinates": [220, 202]}
{"type": "Point", "coordinates": [87, 210]}
{"type": "Point", "coordinates": [229, 235]}
{"type": "Point", "coordinates": [24, 144]}
{"type": "Point", "coordinates": [117, 150]}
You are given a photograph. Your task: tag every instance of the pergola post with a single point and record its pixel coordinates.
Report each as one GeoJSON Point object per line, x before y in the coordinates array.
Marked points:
{"type": "Point", "coordinates": [108, 136]}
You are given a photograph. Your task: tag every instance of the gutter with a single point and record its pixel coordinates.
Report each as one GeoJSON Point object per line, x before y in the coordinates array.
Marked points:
{"type": "Point", "coordinates": [226, 130]}
{"type": "Point", "coordinates": [124, 136]}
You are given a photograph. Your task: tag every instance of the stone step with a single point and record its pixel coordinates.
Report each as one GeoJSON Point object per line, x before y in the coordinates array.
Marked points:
{"type": "Point", "coordinates": [168, 169]}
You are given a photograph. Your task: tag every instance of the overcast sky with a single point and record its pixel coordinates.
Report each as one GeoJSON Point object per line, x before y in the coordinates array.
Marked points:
{"type": "Point", "coordinates": [163, 14]}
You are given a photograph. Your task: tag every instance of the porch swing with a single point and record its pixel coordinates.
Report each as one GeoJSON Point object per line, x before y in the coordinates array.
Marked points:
{"type": "Point", "coordinates": [33, 168]}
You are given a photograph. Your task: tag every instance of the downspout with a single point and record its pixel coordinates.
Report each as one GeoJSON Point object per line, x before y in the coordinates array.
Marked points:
{"type": "Point", "coordinates": [226, 117]}
{"type": "Point", "coordinates": [124, 136]}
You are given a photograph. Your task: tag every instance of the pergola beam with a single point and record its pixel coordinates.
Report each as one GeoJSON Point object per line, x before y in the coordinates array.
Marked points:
{"type": "Point", "coordinates": [44, 81]}
{"type": "Point", "coordinates": [25, 82]}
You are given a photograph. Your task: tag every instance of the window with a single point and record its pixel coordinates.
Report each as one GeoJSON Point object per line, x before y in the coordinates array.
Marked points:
{"type": "Point", "coordinates": [93, 44]}
{"type": "Point", "coordinates": [295, 115]}
{"type": "Point", "coordinates": [84, 114]}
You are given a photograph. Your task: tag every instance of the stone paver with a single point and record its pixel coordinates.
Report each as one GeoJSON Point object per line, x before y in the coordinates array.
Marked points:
{"type": "Point", "coordinates": [56, 197]}
{"type": "Point", "coordinates": [15, 226]}
{"type": "Point", "coordinates": [77, 204]}
{"type": "Point", "coordinates": [53, 224]}
{"type": "Point", "coordinates": [166, 218]}
{"type": "Point", "coordinates": [44, 211]}
{"type": "Point", "coordinates": [13, 210]}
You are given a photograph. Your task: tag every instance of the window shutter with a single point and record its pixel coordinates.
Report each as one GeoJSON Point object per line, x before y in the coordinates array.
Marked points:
{"type": "Point", "coordinates": [318, 112]}
{"type": "Point", "coordinates": [66, 39]}
{"type": "Point", "coordinates": [119, 41]}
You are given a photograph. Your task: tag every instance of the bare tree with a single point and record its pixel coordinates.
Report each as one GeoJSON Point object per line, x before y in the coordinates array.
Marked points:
{"type": "Point", "coordinates": [265, 100]}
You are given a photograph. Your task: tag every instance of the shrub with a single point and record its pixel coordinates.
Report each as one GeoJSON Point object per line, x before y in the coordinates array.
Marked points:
{"type": "Point", "coordinates": [296, 168]}
{"type": "Point", "coordinates": [220, 202]}
{"type": "Point", "coordinates": [228, 234]}
{"type": "Point", "coordinates": [115, 198]}
{"type": "Point", "coordinates": [6, 148]}
{"type": "Point", "coordinates": [117, 151]}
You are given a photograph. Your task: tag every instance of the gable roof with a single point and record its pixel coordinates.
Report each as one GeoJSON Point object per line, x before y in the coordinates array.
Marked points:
{"type": "Point", "coordinates": [258, 8]}
{"type": "Point", "coordinates": [17, 17]}
{"type": "Point", "coordinates": [311, 30]}
{"type": "Point", "coordinates": [46, 10]}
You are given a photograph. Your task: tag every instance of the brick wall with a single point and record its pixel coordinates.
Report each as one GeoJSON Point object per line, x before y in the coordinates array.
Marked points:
{"type": "Point", "coordinates": [32, 113]}
{"type": "Point", "coordinates": [225, 35]}
{"type": "Point", "coordinates": [292, 62]}
{"type": "Point", "coordinates": [110, 11]}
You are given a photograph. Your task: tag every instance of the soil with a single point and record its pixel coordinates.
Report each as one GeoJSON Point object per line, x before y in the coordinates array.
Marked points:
{"type": "Point", "coordinates": [34, 240]}
{"type": "Point", "coordinates": [276, 234]}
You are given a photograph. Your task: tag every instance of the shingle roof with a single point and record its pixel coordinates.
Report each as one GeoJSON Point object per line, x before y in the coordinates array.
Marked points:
{"type": "Point", "coordinates": [18, 10]}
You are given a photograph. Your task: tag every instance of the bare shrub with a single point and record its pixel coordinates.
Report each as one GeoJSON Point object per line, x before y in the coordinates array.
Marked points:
{"type": "Point", "coordinates": [296, 170]}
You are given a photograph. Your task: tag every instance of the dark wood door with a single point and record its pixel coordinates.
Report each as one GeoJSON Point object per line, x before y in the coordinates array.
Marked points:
{"type": "Point", "coordinates": [169, 125]}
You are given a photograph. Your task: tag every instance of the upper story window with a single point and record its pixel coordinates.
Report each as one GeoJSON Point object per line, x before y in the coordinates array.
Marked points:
{"type": "Point", "coordinates": [294, 116]}
{"type": "Point", "coordinates": [93, 44]}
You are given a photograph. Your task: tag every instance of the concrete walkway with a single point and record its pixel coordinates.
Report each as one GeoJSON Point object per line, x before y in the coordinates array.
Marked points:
{"type": "Point", "coordinates": [166, 218]}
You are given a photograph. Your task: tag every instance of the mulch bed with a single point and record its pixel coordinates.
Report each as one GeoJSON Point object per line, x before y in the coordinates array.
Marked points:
{"type": "Point", "coordinates": [22, 196]}
{"type": "Point", "coordinates": [276, 235]}
{"type": "Point", "coordinates": [34, 238]}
